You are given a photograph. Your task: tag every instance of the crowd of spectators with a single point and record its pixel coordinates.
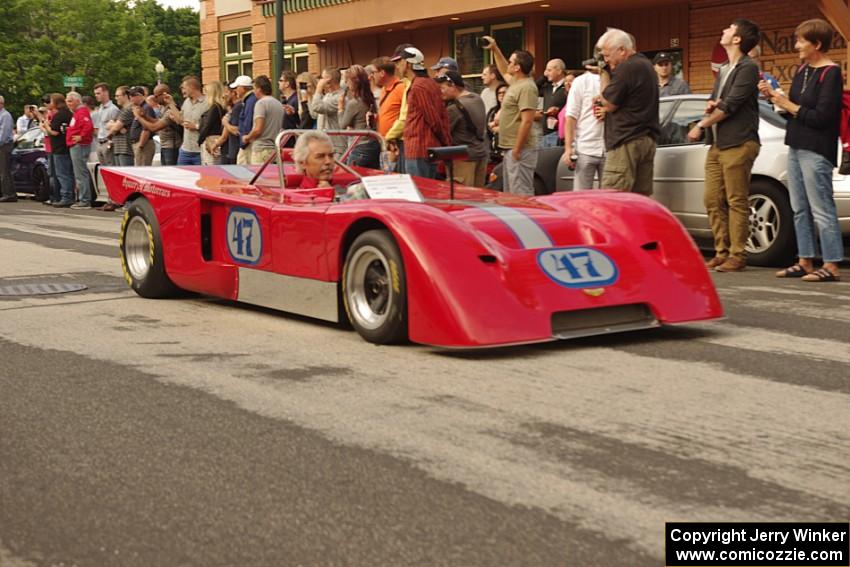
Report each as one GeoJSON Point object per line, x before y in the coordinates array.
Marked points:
{"type": "Point", "coordinates": [605, 117]}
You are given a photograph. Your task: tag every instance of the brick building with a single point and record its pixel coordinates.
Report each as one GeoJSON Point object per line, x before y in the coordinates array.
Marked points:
{"type": "Point", "coordinates": [237, 36]}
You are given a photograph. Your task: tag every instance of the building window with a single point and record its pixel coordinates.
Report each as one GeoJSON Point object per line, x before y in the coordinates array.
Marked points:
{"type": "Point", "coordinates": [569, 41]}
{"type": "Point", "coordinates": [236, 54]}
{"type": "Point", "coordinates": [295, 57]}
{"type": "Point", "coordinates": [471, 58]}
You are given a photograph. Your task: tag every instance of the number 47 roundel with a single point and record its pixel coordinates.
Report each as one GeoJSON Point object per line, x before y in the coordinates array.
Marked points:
{"type": "Point", "coordinates": [244, 236]}
{"type": "Point", "coordinates": [578, 267]}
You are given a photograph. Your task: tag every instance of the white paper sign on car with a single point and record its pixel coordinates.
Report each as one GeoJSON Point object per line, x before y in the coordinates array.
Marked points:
{"type": "Point", "coordinates": [392, 187]}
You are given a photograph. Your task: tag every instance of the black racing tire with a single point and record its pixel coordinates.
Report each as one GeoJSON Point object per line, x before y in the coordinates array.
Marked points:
{"type": "Point", "coordinates": [142, 258]}
{"type": "Point", "coordinates": [772, 241]}
{"type": "Point", "coordinates": [540, 187]}
{"type": "Point", "coordinates": [374, 288]}
{"type": "Point", "coordinates": [41, 184]}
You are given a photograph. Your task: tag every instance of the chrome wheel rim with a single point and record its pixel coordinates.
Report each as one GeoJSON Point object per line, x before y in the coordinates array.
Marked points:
{"type": "Point", "coordinates": [765, 222]}
{"type": "Point", "coordinates": [138, 249]}
{"type": "Point", "coordinates": [370, 295]}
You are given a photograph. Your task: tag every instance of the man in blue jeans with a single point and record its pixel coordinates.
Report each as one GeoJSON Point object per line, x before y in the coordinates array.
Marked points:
{"type": "Point", "coordinates": [189, 116]}
{"type": "Point", "coordinates": [78, 137]}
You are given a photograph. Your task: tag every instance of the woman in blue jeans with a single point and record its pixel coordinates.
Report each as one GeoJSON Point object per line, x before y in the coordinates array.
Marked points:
{"type": "Point", "coordinates": [814, 116]}
{"type": "Point", "coordinates": [357, 111]}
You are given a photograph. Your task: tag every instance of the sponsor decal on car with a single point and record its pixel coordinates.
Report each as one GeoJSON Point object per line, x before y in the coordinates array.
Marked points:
{"type": "Point", "coordinates": [578, 267]}
{"type": "Point", "coordinates": [244, 236]}
{"type": "Point", "coordinates": [144, 187]}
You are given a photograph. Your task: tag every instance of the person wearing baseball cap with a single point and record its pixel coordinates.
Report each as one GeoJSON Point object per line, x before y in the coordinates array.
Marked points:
{"type": "Point", "coordinates": [668, 83]}
{"type": "Point", "coordinates": [443, 65]}
{"type": "Point", "coordinates": [394, 132]}
{"type": "Point", "coordinates": [467, 124]}
{"type": "Point", "coordinates": [244, 87]}
{"type": "Point", "coordinates": [426, 123]}
{"type": "Point", "coordinates": [242, 81]}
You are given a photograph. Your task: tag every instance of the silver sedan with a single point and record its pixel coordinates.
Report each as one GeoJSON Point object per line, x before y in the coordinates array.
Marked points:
{"type": "Point", "coordinates": [680, 180]}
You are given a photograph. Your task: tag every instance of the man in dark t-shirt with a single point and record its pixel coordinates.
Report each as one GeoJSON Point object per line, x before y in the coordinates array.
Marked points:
{"type": "Point", "coordinates": [629, 102]}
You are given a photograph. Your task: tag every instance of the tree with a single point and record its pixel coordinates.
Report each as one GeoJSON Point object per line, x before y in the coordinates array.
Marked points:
{"type": "Point", "coordinates": [174, 39]}
{"type": "Point", "coordinates": [115, 41]}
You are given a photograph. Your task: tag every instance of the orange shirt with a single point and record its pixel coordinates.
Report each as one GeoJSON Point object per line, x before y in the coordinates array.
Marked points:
{"type": "Point", "coordinates": [389, 106]}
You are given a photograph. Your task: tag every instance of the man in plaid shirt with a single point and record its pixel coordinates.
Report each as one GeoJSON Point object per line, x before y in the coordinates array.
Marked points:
{"type": "Point", "coordinates": [427, 123]}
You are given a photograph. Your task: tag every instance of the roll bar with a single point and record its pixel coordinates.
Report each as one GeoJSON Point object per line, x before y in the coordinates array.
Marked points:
{"type": "Point", "coordinates": [286, 135]}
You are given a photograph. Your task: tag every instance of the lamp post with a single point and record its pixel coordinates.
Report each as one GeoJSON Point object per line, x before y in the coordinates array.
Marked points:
{"type": "Point", "coordinates": [160, 69]}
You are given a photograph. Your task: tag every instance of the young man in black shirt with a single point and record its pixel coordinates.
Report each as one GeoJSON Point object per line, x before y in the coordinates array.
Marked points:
{"type": "Point", "coordinates": [731, 129]}
{"type": "Point", "coordinates": [629, 103]}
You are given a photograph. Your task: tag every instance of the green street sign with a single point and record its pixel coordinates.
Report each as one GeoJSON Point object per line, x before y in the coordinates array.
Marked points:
{"type": "Point", "coordinates": [72, 81]}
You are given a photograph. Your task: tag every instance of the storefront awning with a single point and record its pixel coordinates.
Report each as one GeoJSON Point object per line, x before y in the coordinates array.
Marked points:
{"type": "Point", "coordinates": [293, 6]}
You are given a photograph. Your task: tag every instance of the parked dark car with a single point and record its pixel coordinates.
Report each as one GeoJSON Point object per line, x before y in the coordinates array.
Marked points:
{"type": "Point", "coordinates": [29, 165]}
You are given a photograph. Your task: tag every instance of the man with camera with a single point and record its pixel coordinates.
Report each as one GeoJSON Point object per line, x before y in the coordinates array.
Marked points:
{"type": "Point", "coordinates": [170, 135]}
{"type": "Point", "coordinates": [325, 104]}
{"type": "Point", "coordinates": [519, 108]}
{"type": "Point", "coordinates": [629, 103]}
{"type": "Point", "coordinates": [26, 120]}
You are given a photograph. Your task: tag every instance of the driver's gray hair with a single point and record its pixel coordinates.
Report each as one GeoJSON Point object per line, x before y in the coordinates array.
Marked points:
{"type": "Point", "coordinates": [301, 151]}
{"type": "Point", "coordinates": [615, 38]}
{"type": "Point", "coordinates": [73, 95]}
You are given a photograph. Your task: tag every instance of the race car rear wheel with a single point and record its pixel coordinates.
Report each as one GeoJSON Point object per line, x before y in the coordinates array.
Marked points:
{"type": "Point", "coordinates": [141, 252]}
{"type": "Point", "coordinates": [374, 289]}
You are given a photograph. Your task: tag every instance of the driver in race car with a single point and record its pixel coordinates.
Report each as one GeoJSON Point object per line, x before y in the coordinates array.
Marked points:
{"type": "Point", "coordinates": [313, 155]}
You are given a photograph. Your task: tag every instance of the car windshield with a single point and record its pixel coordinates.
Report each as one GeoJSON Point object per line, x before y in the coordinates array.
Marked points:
{"type": "Point", "coordinates": [771, 116]}
{"type": "Point", "coordinates": [30, 139]}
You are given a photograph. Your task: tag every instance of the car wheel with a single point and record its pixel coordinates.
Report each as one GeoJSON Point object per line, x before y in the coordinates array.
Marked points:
{"type": "Point", "coordinates": [540, 187]}
{"type": "Point", "coordinates": [374, 289]}
{"type": "Point", "coordinates": [141, 252]}
{"type": "Point", "coordinates": [771, 240]}
{"type": "Point", "coordinates": [41, 184]}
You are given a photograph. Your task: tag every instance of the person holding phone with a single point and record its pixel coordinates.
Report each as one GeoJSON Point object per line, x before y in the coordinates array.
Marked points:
{"type": "Point", "coordinates": [517, 138]}
{"type": "Point", "coordinates": [325, 104]}
{"type": "Point", "coordinates": [306, 89]}
{"type": "Point", "coordinates": [26, 120]}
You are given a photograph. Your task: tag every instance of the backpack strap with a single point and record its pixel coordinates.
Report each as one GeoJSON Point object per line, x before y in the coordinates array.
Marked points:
{"type": "Point", "coordinates": [824, 72]}
{"type": "Point", "coordinates": [470, 125]}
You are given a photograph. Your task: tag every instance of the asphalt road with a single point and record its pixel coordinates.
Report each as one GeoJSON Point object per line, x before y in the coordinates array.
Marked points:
{"type": "Point", "coordinates": [200, 432]}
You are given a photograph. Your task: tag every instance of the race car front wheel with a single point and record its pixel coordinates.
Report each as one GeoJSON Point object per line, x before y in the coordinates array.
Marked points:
{"type": "Point", "coordinates": [141, 252]}
{"type": "Point", "coordinates": [374, 289]}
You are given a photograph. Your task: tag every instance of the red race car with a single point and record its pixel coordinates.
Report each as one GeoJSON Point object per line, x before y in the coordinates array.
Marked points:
{"type": "Point", "coordinates": [411, 258]}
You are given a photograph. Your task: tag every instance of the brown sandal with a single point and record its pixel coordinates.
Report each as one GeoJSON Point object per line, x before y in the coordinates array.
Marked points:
{"type": "Point", "coordinates": [795, 271]}
{"type": "Point", "coordinates": [821, 275]}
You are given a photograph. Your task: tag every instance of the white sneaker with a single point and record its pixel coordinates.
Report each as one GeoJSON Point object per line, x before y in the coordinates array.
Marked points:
{"type": "Point", "coordinates": [80, 206]}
